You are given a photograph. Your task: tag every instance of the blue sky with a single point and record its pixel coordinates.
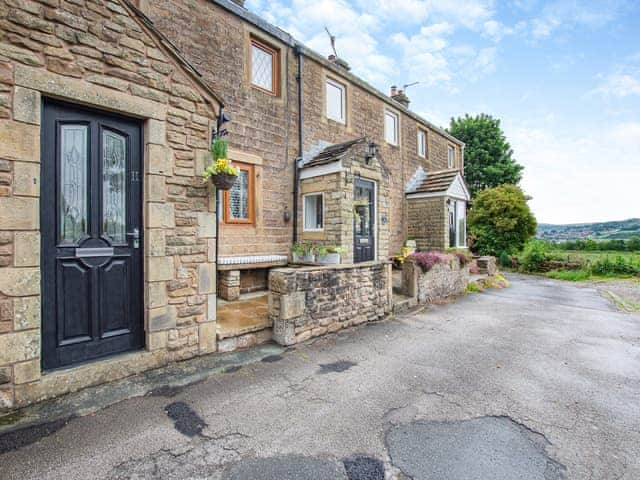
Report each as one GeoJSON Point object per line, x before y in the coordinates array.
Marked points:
{"type": "Point", "coordinates": [562, 75]}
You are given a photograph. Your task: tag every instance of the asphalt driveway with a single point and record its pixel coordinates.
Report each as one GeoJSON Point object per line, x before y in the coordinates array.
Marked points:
{"type": "Point", "coordinates": [537, 381]}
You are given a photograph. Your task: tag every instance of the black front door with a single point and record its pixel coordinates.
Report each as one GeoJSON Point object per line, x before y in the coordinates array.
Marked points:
{"type": "Point", "coordinates": [364, 214]}
{"type": "Point", "coordinates": [91, 244]}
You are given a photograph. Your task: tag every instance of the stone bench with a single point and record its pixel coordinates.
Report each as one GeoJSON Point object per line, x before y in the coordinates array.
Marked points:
{"type": "Point", "coordinates": [229, 271]}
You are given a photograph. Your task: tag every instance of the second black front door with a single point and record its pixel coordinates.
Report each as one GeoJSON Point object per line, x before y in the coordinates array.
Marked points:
{"type": "Point", "coordinates": [91, 242]}
{"type": "Point", "coordinates": [364, 214]}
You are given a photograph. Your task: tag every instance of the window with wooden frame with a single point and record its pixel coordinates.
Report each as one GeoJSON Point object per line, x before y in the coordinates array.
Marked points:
{"type": "Point", "coordinates": [264, 65]}
{"type": "Point", "coordinates": [240, 199]}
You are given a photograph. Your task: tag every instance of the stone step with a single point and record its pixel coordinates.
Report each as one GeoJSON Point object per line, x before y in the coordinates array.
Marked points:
{"type": "Point", "coordinates": [402, 304]}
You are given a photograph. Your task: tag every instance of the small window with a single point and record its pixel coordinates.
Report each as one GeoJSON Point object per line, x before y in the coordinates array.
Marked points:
{"type": "Point", "coordinates": [238, 201]}
{"type": "Point", "coordinates": [336, 101]}
{"type": "Point", "coordinates": [422, 143]}
{"type": "Point", "coordinates": [313, 213]}
{"type": "Point", "coordinates": [451, 156]}
{"type": "Point", "coordinates": [391, 127]}
{"type": "Point", "coordinates": [264, 67]}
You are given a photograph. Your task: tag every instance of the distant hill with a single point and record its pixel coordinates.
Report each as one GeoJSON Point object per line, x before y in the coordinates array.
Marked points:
{"type": "Point", "coordinates": [617, 230]}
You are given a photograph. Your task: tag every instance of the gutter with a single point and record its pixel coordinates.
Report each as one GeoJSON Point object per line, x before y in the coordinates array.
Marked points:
{"type": "Point", "coordinates": [296, 169]}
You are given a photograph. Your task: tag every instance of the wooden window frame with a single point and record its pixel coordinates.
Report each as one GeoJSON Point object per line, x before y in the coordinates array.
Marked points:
{"type": "Point", "coordinates": [228, 219]}
{"type": "Point", "coordinates": [275, 66]}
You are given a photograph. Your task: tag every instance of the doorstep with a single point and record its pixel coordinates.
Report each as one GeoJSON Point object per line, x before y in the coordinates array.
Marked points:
{"type": "Point", "coordinates": [91, 399]}
{"type": "Point", "coordinates": [248, 314]}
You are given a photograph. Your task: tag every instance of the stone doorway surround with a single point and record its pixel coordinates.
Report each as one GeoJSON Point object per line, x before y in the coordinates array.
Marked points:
{"type": "Point", "coordinates": [179, 232]}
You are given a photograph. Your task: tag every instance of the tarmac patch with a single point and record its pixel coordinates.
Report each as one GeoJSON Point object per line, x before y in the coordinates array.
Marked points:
{"type": "Point", "coordinates": [336, 367]}
{"type": "Point", "coordinates": [186, 420]}
{"type": "Point", "coordinates": [17, 439]}
{"type": "Point", "coordinates": [364, 468]}
{"type": "Point", "coordinates": [478, 449]}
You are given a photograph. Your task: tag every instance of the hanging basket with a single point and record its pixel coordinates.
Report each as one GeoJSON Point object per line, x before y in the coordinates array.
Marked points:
{"type": "Point", "coordinates": [223, 181]}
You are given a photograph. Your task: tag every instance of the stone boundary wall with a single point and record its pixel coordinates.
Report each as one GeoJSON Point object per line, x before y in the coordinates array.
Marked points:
{"type": "Point", "coordinates": [442, 281]}
{"type": "Point", "coordinates": [309, 302]}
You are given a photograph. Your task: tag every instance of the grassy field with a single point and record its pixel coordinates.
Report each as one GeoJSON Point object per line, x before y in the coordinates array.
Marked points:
{"type": "Point", "coordinates": [589, 258]}
{"type": "Point", "coordinates": [582, 256]}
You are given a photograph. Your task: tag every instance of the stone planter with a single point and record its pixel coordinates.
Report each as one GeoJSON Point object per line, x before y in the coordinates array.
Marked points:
{"type": "Point", "coordinates": [329, 259]}
{"type": "Point", "coordinates": [308, 258]}
{"type": "Point", "coordinates": [411, 244]}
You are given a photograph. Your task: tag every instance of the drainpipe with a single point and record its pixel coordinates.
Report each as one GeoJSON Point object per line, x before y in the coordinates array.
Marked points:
{"type": "Point", "coordinates": [298, 50]}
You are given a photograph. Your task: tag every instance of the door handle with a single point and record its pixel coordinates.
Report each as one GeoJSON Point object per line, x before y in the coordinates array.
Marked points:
{"type": "Point", "coordinates": [136, 237]}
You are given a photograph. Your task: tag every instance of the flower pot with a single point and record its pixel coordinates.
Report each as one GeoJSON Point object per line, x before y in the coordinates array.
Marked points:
{"type": "Point", "coordinates": [308, 258]}
{"type": "Point", "coordinates": [329, 259]}
{"type": "Point", "coordinates": [223, 181]}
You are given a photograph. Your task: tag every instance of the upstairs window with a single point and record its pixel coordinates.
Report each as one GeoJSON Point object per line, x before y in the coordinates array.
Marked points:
{"type": "Point", "coordinates": [313, 212]}
{"type": "Point", "coordinates": [264, 67]}
{"type": "Point", "coordinates": [391, 127]}
{"type": "Point", "coordinates": [451, 156]}
{"type": "Point", "coordinates": [336, 104]}
{"type": "Point", "coordinates": [238, 201]}
{"type": "Point", "coordinates": [422, 143]}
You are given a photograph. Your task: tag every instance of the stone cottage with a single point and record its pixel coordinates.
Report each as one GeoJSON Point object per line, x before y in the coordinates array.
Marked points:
{"type": "Point", "coordinates": [111, 250]}
{"type": "Point", "coordinates": [106, 228]}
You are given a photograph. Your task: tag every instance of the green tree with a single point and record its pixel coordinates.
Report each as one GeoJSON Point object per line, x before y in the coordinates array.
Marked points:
{"type": "Point", "coordinates": [633, 244]}
{"type": "Point", "coordinates": [501, 220]}
{"type": "Point", "coordinates": [488, 158]}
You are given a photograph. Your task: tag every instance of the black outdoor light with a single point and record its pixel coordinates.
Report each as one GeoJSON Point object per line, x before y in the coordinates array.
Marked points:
{"type": "Point", "coordinates": [370, 152]}
{"type": "Point", "coordinates": [220, 121]}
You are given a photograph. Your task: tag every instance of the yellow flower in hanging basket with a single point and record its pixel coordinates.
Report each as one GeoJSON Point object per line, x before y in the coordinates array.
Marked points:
{"type": "Point", "coordinates": [221, 164]}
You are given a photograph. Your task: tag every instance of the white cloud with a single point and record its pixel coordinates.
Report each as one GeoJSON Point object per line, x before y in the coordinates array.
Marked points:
{"type": "Point", "coordinates": [469, 13]}
{"type": "Point", "coordinates": [620, 85]}
{"type": "Point", "coordinates": [566, 14]}
{"type": "Point", "coordinates": [355, 30]}
{"type": "Point", "coordinates": [589, 176]}
{"type": "Point", "coordinates": [623, 81]}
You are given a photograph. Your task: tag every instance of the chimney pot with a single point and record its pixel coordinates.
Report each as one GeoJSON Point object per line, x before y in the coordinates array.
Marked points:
{"type": "Point", "coordinates": [394, 90]}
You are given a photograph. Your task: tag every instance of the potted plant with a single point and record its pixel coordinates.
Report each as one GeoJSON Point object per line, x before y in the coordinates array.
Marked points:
{"type": "Point", "coordinates": [303, 252]}
{"type": "Point", "coordinates": [329, 255]}
{"type": "Point", "coordinates": [220, 172]}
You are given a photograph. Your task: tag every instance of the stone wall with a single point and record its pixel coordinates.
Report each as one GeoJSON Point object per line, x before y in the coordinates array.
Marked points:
{"type": "Point", "coordinates": [102, 55]}
{"type": "Point", "coordinates": [263, 129]}
{"type": "Point", "coordinates": [428, 223]}
{"type": "Point", "coordinates": [442, 281]}
{"type": "Point", "coordinates": [309, 302]}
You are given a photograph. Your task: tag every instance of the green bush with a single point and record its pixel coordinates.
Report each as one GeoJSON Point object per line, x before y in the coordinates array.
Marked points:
{"type": "Point", "coordinates": [505, 260]}
{"type": "Point", "coordinates": [501, 220]}
{"type": "Point", "coordinates": [618, 266]}
{"type": "Point", "coordinates": [535, 253]}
